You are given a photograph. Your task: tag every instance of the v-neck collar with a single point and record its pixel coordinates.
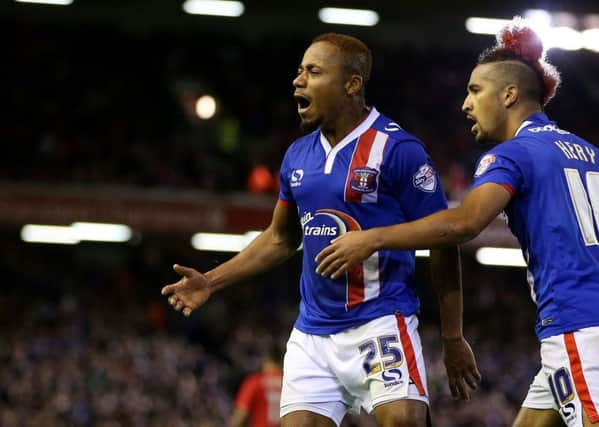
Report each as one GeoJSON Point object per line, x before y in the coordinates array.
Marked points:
{"type": "Point", "coordinates": [331, 152]}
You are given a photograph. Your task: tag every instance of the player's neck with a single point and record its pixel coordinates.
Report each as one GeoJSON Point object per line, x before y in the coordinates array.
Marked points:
{"type": "Point", "coordinates": [517, 117]}
{"type": "Point", "coordinates": [338, 129]}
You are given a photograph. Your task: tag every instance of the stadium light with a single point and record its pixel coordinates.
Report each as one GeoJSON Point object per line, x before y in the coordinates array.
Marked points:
{"type": "Point", "coordinates": [590, 39]}
{"type": "Point", "coordinates": [423, 253]}
{"type": "Point", "coordinates": [221, 242]}
{"type": "Point", "coordinates": [563, 38]}
{"type": "Point", "coordinates": [336, 15]}
{"type": "Point", "coordinates": [214, 7]}
{"type": "Point", "coordinates": [507, 257]}
{"type": "Point", "coordinates": [51, 2]}
{"type": "Point", "coordinates": [101, 232]}
{"type": "Point", "coordinates": [205, 107]}
{"type": "Point", "coordinates": [477, 25]}
{"type": "Point", "coordinates": [556, 30]}
{"type": "Point", "coordinates": [75, 233]}
{"type": "Point", "coordinates": [36, 233]}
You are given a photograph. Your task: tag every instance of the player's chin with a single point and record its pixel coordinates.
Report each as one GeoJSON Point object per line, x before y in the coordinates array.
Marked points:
{"type": "Point", "coordinates": [308, 126]}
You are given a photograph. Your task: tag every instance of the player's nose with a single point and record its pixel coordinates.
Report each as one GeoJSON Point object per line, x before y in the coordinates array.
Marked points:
{"type": "Point", "coordinates": [300, 80]}
{"type": "Point", "coordinates": [467, 105]}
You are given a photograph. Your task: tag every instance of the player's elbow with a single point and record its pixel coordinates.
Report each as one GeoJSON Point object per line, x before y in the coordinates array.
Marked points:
{"type": "Point", "coordinates": [465, 228]}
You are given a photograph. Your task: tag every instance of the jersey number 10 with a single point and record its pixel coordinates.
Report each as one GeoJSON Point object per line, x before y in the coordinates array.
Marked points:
{"type": "Point", "coordinates": [585, 211]}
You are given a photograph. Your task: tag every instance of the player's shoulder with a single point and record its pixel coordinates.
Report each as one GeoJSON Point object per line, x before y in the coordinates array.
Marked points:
{"type": "Point", "coordinates": [396, 135]}
{"type": "Point", "coordinates": [303, 142]}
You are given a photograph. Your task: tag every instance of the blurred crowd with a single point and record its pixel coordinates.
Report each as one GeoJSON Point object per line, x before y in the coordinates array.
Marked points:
{"type": "Point", "coordinates": [129, 101]}
{"type": "Point", "coordinates": [87, 340]}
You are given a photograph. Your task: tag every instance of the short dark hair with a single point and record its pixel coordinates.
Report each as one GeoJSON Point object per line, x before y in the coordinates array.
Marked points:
{"type": "Point", "coordinates": [356, 55]}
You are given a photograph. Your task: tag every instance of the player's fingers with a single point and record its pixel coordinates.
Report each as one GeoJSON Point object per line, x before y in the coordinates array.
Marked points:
{"type": "Point", "coordinates": [169, 289]}
{"type": "Point", "coordinates": [172, 300]}
{"type": "Point", "coordinates": [340, 271]}
{"type": "Point", "coordinates": [187, 311]}
{"type": "Point", "coordinates": [332, 263]}
{"type": "Point", "coordinates": [183, 271]}
{"type": "Point", "coordinates": [471, 379]}
{"type": "Point", "coordinates": [323, 254]}
{"type": "Point", "coordinates": [462, 390]}
{"type": "Point", "coordinates": [455, 393]}
{"type": "Point", "coordinates": [179, 305]}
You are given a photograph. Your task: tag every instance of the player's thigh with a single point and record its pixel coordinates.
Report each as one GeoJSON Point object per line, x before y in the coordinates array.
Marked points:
{"type": "Point", "coordinates": [529, 417]}
{"type": "Point", "coordinates": [306, 419]}
{"type": "Point", "coordinates": [404, 413]}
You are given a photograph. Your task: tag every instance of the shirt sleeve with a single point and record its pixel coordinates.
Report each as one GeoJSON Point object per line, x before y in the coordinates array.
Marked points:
{"type": "Point", "coordinates": [416, 180]}
{"type": "Point", "coordinates": [285, 194]}
{"type": "Point", "coordinates": [503, 165]}
{"type": "Point", "coordinates": [246, 393]}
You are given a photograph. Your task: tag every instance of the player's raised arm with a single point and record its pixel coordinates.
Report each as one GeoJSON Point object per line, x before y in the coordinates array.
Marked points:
{"type": "Point", "coordinates": [442, 229]}
{"type": "Point", "coordinates": [276, 244]}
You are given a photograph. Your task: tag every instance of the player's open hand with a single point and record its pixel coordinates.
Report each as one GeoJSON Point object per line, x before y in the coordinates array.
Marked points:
{"type": "Point", "coordinates": [188, 293]}
{"type": "Point", "coordinates": [343, 253]}
{"type": "Point", "coordinates": [460, 363]}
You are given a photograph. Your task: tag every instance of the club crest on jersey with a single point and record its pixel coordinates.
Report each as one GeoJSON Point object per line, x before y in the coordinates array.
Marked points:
{"type": "Point", "coordinates": [364, 180]}
{"type": "Point", "coordinates": [483, 165]}
{"type": "Point", "coordinates": [425, 179]}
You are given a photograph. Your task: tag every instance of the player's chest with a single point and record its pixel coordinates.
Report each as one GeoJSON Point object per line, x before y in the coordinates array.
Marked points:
{"type": "Point", "coordinates": [342, 178]}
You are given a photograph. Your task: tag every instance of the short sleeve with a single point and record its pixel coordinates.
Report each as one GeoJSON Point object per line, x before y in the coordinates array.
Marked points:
{"type": "Point", "coordinates": [415, 179]}
{"type": "Point", "coordinates": [503, 165]}
{"type": "Point", "coordinates": [285, 194]}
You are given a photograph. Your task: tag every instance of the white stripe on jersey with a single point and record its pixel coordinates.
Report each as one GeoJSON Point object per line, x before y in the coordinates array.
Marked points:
{"type": "Point", "coordinates": [372, 284]}
{"type": "Point", "coordinates": [375, 159]}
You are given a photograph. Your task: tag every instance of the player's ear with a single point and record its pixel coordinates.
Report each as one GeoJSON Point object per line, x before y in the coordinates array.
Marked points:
{"type": "Point", "coordinates": [354, 84]}
{"type": "Point", "coordinates": [511, 94]}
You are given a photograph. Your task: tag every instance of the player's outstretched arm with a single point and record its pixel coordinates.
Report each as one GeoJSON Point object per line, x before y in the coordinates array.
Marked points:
{"type": "Point", "coordinates": [445, 228]}
{"type": "Point", "coordinates": [446, 276]}
{"type": "Point", "coordinates": [276, 244]}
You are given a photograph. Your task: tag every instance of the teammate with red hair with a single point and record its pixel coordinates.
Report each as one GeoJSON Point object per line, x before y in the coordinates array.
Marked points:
{"type": "Point", "coordinates": [547, 181]}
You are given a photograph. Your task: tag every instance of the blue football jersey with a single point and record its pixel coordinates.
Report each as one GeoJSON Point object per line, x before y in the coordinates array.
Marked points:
{"type": "Point", "coordinates": [553, 176]}
{"type": "Point", "coordinates": [378, 175]}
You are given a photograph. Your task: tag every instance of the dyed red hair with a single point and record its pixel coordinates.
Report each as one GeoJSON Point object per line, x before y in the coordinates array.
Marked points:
{"type": "Point", "coordinates": [519, 42]}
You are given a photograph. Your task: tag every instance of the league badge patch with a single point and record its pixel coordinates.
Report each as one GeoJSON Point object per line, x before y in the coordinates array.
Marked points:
{"type": "Point", "coordinates": [364, 180]}
{"type": "Point", "coordinates": [425, 179]}
{"type": "Point", "coordinates": [483, 165]}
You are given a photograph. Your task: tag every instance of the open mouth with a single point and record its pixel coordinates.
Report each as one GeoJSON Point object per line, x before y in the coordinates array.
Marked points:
{"type": "Point", "coordinates": [303, 103]}
{"type": "Point", "coordinates": [474, 128]}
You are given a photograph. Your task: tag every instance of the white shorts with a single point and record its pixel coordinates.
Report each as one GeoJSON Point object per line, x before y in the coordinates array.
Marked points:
{"type": "Point", "coordinates": [375, 363]}
{"type": "Point", "coordinates": [568, 381]}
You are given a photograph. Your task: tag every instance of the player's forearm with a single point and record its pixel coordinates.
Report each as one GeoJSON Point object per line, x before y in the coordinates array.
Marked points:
{"type": "Point", "coordinates": [446, 228]}
{"type": "Point", "coordinates": [446, 278]}
{"type": "Point", "coordinates": [265, 252]}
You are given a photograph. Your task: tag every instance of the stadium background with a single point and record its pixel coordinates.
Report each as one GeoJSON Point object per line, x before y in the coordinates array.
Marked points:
{"type": "Point", "coordinates": [98, 124]}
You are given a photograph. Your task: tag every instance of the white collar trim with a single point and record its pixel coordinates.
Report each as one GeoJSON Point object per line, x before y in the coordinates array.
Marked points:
{"type": "Point", "coordinates": [331, 153]}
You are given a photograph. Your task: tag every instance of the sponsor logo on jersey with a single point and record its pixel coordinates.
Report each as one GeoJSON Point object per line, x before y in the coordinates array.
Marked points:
{"type": "Point", "coordinates": [392, 127]}
{"type": "Point", "coordinates": [341, 223]}
{"type": "Point", "coordinates": [425, 179]}
{"type": "Point", "coordinates": [364, 180]}
{"type": "Point", "coordinates": [296, 177]}
{"type": "Point", "coordinates": [548, 128]}
{"type": "Point", "coordinates": [392, 377]}
{"type": "Point", "coordinates": [483, 165]}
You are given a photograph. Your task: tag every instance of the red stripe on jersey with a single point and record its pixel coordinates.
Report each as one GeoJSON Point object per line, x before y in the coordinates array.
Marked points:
{"type": "Point", "coordinates": [509, 188]}
{"type": "Point", "coordinates": [359, 160]}
{"type": "Point", "coordinates": [355, 275]}
{"type": "Point", "coordinates": [408, 349]}
{"type": "Point", "coordinates": [579, 380]}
